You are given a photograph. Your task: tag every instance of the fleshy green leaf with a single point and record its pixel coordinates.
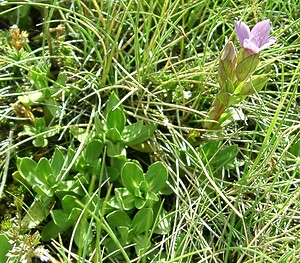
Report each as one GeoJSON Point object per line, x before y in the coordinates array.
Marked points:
{"type": "Point", "coordinates": [93, 151]}
{"type": "Point", "coordinates": [79, 133]}
{"type": "Point", "coordinates": [255, 85]}
{"type": "Point", "coordinates": [224, 98]}
{"type": "Point", "coordinates": [295, 149]}
{"type": "Point", "coordinates": [5, 246]}
{"type": "Point", "coordinates": [132, 175]}
{"type": "Point", "coordinates": [40, 141]}
{"type": "Point", "coordinates": [113, 135]}
{"type": "Point", "coordinates": [156, 176]}
{"type": "Point", "coordinates": [43, 170]}
{"type": "Point", "coordinates": [225, 157]}
{"type": "Point", "coordinates": [115, 149]}
{"type": "Point", "coordinates": [142, 244]}
{"type": "Point", "coordinates": [68, 203]}
{"type": "Point", "coordinates": [119, 218]}
{"type": "Point", "coordinates": [144, 147]}
{"type": "Point", "coordinates": [50, 231]}
{"type": "Point", "coordinates": [27, 169]}
{"type": "Point", "coordinates": [125, 198]}
{"type": "Point", "coordinates": [135, 133]}
{"type": "Point", "coordinates": [139, 203]}
{"type": "Point", "coordinates": [125, 233]}
{"type": "Point", "coordinates": [142, 221]}
{"type": "Point", "coordinates": [37, 213]}
{"type": "Point", "coordinates": [40, 125]}
{"type": "Point", "coordinates": [116, 119]}
{"type": "Point", "coordinates": [112, 102]}
{"type": "Point", "coordinates": [57, 161]}
{"type": "Point", "coordinates": [61, 219]}
{"type": "Point", "coordinates": [130, 131]}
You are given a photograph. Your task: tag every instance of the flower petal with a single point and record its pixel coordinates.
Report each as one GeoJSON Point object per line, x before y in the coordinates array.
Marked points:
{"type": "Point", "coordinates": [251, 46]}
{"type": "Point", "coordinates": [269, 42]}
{"type": "Point", "coordinates": [242, 31]}
{"type": "Point", "coordinates": [260, 32]}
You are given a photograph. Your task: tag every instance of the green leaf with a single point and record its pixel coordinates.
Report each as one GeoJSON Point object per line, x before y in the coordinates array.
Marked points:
{"type": "Point", "coordinates": [57, 161]}
{"type": "Point", "coordinates": [144, 147]}
{"type": "Point", "coordinates": [40, 141]}
{"type": "Point", "coordinates": [295, 149]}
{"type": "Point", "coordinates": [225, 157]}
{"type": "Point", "coordinates": [40, 125]}
{"type": "Point", "coordinates": [116, 119]}
{"type": "Point", "coordinates": [61, 219]}
{"type": "Point", "coordinates": [224, 98]}
{"type": "Point", "coordinates": [51, 231]}
{"type": "Point", "coordinates": [209, 149]}
{"type": "Point", "coordinates": [93, 151]}
{"type": "Point", "coordinates": [151, 196]}
{"type": "Point", "coordinates": [142, 221]}
{"type": "Point", "coordinates": [27, 169]}
{"type": "Point", "coordinates": [156, 176]}
{"type": "Point", "coordinates": [113, 135]}
{"type": "Point", "coordinates": [134, 134]}
{"type": "Point", "coordinates": [130, 131]}
{"type": "Point", "coordinates": [125, 198]}
{"type": "Point", "coordinates": [43, 190]}
{"type": "Point", "coordinates": [139, 202]}
{"type": "Point", "coordinates": [116, 165]}
{"type": "Point", "coordinates": [79, 133]}
{"type": "Point", "coordinates": [112, 102]}
{"type": "Point", "coordinates": [132, 175]}
{"type": "Point", "coordinates": [74, 215]}
{"type": "Point", "coordinates": [68, 202]}
{"type": "Point", "coordinates": [255, 85]}
{"type": "Point", "coordinates": [113, 203]}
{"type": "Point", "coordinates": [5, 247]}
{"type": "Point", "coordinates": [43, 170]}
{"type": "Point", "coordinates": [192, 19]}
{"type": "Point", "coordinates": [61, 80]}
{"type": "Point", "coordinates": [37, 213]}
{"type": "Point", "coordinates": [28, 130]}
{"type": "Point", "coordinates": [99, 126]}
{"type": "Point", "coordinates": [51, 109]}
{"type": "Point", "coordinates": [142, 190]}
{"type": "Point", "coordinates": [231, 115]}
{"type": "Point", "coordinates": [115, 149]}
{"type": "Point", "coordinates": [142, 244]}
{"type": "Point", "coordinates": [119, 218]}
{"type": "Point", "coordinates": [125, 233]}
{"type": "Point", "coordinates": [38, 76]}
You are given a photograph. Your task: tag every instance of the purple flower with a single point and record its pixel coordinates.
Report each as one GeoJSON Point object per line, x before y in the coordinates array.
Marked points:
{"type": "Point", "coordinates": [257, 39]}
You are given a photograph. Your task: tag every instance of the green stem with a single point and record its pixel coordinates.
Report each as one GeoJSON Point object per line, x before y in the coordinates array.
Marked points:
{"type": "Point", "coordinates": [216, 110]}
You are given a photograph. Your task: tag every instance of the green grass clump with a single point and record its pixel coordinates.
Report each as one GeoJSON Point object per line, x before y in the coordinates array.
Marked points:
{"type": "Point", "coordinates": [103, 152]}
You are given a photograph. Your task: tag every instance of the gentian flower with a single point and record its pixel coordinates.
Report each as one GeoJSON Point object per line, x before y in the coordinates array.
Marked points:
{"type": "Point", "coordinates": [257, 39]}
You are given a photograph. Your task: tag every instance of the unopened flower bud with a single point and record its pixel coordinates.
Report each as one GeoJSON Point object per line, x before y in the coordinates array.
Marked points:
{"type": "Point", "coordinates": [227, 66]}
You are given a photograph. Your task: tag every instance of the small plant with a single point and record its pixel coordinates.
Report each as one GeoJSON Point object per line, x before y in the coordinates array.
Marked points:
{"type": "Point", "coordinates": [67, 177]}
{"type": "Point", "coordinates": [235, 70]}
{"type": "Point", "coordinates": [141, 190]}
{"type": "Point", "coordinates": [39, 131]}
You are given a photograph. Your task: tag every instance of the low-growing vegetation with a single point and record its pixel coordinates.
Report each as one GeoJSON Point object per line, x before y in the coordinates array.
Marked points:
{"type": "Point", "coordinates": [149, 131]}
